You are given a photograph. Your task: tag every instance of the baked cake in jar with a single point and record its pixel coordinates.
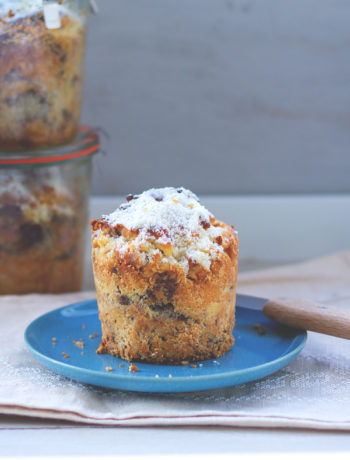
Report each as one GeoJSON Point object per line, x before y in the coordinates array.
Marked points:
{"type": "Point", "coordinates": [42, 222]}
{"type": "Point", "coordinates": [41, 75]}
{"type": "Point", "coordinates": [165, 272]}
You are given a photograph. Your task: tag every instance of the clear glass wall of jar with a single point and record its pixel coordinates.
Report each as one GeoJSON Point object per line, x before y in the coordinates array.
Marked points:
{"type": "Point", "coordinates": [44, 198]}
{"type": "Point", "coordinates": [41, 71]}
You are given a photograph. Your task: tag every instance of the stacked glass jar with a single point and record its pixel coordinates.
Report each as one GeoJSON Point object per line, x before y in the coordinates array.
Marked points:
{"type": "Point", "coordinates": [45, 156]}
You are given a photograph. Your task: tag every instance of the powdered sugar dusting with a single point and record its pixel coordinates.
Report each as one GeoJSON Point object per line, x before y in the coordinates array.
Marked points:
{"type": "Point", "coordinates": [167, 210]}
{"type": "Point", "coordinates": [172, 218]}
{"type": "Point", "coordinates": [26, 8]}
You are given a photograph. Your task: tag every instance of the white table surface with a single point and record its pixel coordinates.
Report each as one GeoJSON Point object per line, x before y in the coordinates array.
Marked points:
{"type": "Point", "coordinates": [259, 219]}
{"type": "Point", "coordinates": [23, 437]}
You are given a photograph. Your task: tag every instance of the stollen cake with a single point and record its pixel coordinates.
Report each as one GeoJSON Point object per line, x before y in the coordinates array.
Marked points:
{"type": "Point", "coordinates": [41, 77]}
{"type": "Point", "coordinates": [42, 215]}
{"type": "Point", "coordinates": [165, 273]}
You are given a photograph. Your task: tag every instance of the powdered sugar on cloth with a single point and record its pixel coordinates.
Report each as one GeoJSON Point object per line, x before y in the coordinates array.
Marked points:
{"type": "Point", "coordinates": [311, 392]}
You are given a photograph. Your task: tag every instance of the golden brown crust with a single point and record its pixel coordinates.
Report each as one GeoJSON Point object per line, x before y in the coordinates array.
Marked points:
{"type": "Point", "coordinates": [40, 82]}
{"type": "Point", "coordinates": [155, 312]}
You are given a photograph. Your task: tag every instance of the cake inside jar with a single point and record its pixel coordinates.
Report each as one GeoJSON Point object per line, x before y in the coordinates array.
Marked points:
{"type": "Point", "coordinates": [42, 219]}
{"type": "Point", "coordinates": [165, 273]}
{"type": "Point", "coordinates": [41, 75]}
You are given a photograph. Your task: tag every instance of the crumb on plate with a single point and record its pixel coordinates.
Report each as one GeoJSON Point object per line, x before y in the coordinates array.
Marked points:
{"type": "Point", "coordinates": [259, 329]}
{"type": "Point", "coordinates": [78, 343]}
{"type": "Point", "coordinates": [133, 368]}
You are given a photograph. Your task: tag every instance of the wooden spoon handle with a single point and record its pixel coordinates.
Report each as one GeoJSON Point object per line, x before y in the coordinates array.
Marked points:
{"type": "Point", "coordinates": [309, 315]}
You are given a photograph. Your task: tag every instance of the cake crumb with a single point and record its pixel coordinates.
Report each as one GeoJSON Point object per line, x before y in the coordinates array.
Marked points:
{"type": "Point", "coordinates": [53, 344]}
{"type": "Point", "coordinates": [170, 376]}
{"type": "Point", "coordinates": [78, 343]}
{"type": "Point", "coordinates": [65, 355]}
{"type": "Point", "coordinates": [83, 326]}
{"type": "Point", "coordinates": [90, 336]}
{"type": "Point", "coordinates": [120, 365]}
{"type": "Point", "coordinates": [259, 329]}
{"type": "Point", "coordinates": [184, 363]}
{"type": "Point", "coordinates": [54, 339]}
{"type": "Point", "coordinates": [95, 335]}
{"type": "Point", "coordinates": [133, 368]}
{"type": "Point", "coordinates": [109, 368]}
{"type": "Point", "coordinates": [193, 366]}
{"type": "Point", "coordinates": [81, 352]}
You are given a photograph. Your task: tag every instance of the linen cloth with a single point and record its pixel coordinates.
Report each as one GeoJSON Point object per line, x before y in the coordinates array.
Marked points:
{"type": "Point", "coordinates": [311, 392]}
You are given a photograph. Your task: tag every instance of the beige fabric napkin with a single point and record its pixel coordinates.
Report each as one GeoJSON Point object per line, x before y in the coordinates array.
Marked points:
{"type": "Point", "coordinates": [312, 392]}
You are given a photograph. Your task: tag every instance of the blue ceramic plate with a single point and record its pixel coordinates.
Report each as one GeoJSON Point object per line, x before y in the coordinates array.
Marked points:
{"type": "Point", "coordinates": [252, 357]}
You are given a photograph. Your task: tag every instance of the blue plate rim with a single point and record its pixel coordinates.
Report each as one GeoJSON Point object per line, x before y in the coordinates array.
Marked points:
{"type": "Point", "coordinates": [288, 356]}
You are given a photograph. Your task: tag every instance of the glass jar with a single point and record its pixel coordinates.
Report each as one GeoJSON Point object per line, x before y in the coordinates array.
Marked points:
{"type": "Point", "coordinates": [44, 197]}
{"type": "Point", "coordinates": [42, 47]}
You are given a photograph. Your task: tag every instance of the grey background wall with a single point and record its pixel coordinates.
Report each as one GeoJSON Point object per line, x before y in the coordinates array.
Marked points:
{"type": "Point", "coordinates": [222, 96]}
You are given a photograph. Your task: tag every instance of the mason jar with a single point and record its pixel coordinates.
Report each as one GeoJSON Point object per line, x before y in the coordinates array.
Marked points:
{"type": "Point", "coordinates": [44, 199]}
{"type": "Point", "coordinates": [42, 47]}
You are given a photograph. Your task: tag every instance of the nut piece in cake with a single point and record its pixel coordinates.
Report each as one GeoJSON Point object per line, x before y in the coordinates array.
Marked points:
{"type": "Point", "coordinates": [165, 273]}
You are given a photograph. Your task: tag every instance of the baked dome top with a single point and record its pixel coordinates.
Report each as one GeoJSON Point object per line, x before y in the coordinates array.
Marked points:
{"type": "Point", "coordinates": [167, 223]}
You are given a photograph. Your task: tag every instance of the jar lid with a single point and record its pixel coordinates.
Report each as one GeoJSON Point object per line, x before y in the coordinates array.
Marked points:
{"type": "Point", "coordinates": [86, 143]}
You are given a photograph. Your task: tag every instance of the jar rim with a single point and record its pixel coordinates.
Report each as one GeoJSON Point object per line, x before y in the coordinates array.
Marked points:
{"type": "Point", "coordinates": [86, 143]}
